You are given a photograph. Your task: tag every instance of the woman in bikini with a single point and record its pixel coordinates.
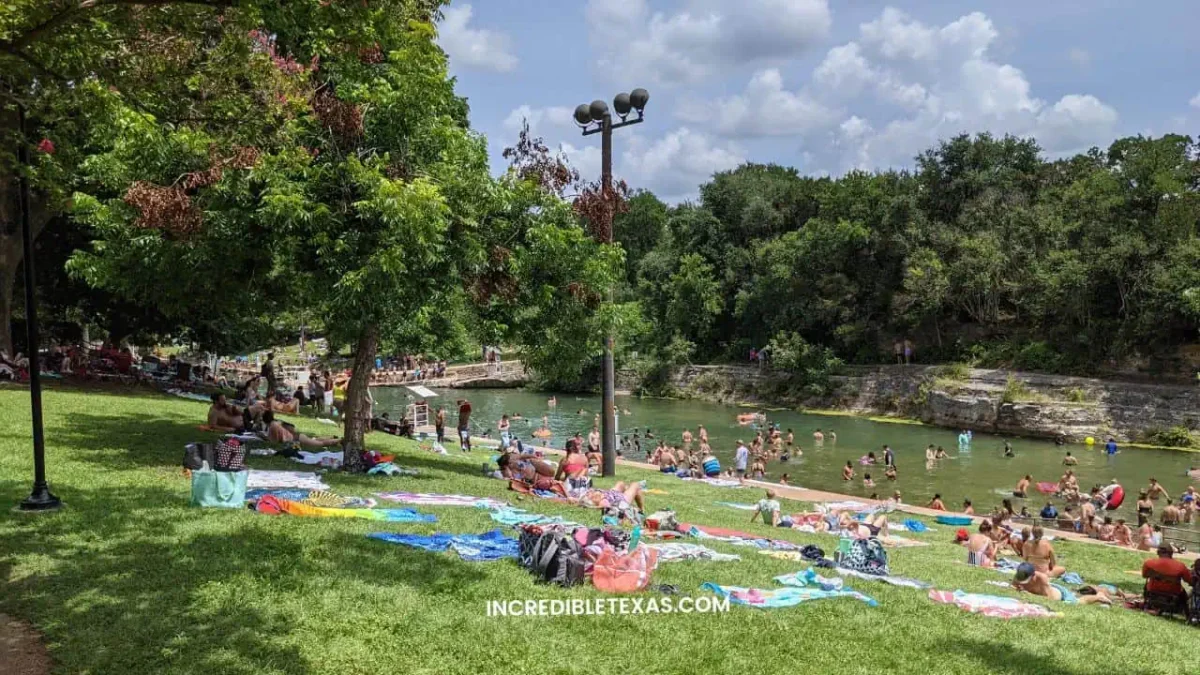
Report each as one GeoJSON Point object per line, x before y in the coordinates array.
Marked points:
{"type": "Point", "coordinates": [1145, 507]}
{"type": "Point", "coordinates": [1040, 553]}
{"type": "Point", "coordinates": [573, 470]}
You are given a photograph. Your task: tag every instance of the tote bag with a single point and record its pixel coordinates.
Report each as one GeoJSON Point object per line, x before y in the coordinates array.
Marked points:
{"type": "Point", "coordinates": [226, 489]}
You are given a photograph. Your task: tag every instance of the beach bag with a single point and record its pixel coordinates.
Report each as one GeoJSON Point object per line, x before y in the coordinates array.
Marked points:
{"type": "Point", "coordinates": [867, 556]}
{"type": "Point", "coordinates": [555, 558]}
{"type": "Point", "coordinates": [624, 572]}
{"type": "Point", "coordinates": [225, 489]}
{"type": "Point", "coordinates": [662, 520]}
{"type": "Point", "coordinates": [231, 456]}
{"type": "Point", "coordinates": [196, 454]}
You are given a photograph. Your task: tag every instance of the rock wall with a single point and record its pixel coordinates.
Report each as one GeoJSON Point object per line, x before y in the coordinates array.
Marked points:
{"type": "Point", "coordinates": [1027, 404]}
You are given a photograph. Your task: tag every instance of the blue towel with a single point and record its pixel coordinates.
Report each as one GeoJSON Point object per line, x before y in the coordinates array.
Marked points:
{"type": "Point", "coordinates": [781, 597]}
{"type": "Point", "coordinates": [913, 525]}
{"type": "Point", "coordinates": [292, 495]}
{"type": "Point", "coordinates": [514, 517]}
{"type": "Point", "coordinates": [491, 545]}
{"type": "Point", "coordinates": [1072, 578]}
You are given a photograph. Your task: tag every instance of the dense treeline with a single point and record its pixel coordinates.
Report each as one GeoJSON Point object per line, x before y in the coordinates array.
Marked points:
{"type": "Point", "coordinates": [986, 252]}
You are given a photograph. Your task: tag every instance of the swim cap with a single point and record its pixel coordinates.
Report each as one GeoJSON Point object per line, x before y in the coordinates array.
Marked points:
{"type": "Point", "coordinates": [1024, 571]}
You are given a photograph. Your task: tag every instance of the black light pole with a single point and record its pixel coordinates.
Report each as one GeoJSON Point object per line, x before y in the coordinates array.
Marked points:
{"type": "Point", "coordinates": [40, 499]}
{"type": "Point", "coordinates": [585, 116]}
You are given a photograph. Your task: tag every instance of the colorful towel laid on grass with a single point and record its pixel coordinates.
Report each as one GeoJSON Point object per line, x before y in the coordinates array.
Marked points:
{"type": "Point", "coordinates": [734, 505]}
{"type": "Point", "coordinates": [892, 580]}
{"type": "Point", "coordinates": [991, 605]}
{"type": "Point", "coordinates": [913, 525]}
{"type": "Point", "coordinates": [274, 506]}
{"type": "Point", "coordinates": [785, 555]}
{"type": "Point", "coordinates": [514, 517]}
{"type": "Point", "coordinates": [718, 482]}
{"type": "Point", "coordinates": [848, 505]}
{"type": "Point", "coordinates": [1047, 488]}
{"type": "Point", "coordinates": [678, 552]}
{"type": "Point", "coordinates": [389, 469]}
{"type": "Point", "coordinates": [285, 479]}
{"type": "Point", "coordinates": [432, 499]}
{"type": "Point", "coordinates": [809, 577]}
{"type": "Point", "coordinates": [320, 498]}
{"type": "Point", "coordinates": [484, 547]}
{"type": "Point", "coordinates": [737, 538]}
{"type": "Point", "coordinates": [781, 597]}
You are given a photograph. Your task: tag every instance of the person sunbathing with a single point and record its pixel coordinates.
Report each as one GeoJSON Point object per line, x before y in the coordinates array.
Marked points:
{"type": "Point", "coordinates": [1122, 535]}
{"type": "Point", "coordinates": [224, 416]}
{"type": "Point", "coordinates": [981, 547]}
{"type": "Point", "coordinates": [620, 498]}
{"type": "Point", "coordinates": [528, 469]}
{"type": "Point", "coordinates": [278, 433]}
{"type": "Point", "coordinates": [573, 470]}
{"type": "Point", "coordinates": [1040, 553]}
{"type": "Point", "coordinates": [1029, 580]}
{"type": "Point", "coordinates": [275, 402]}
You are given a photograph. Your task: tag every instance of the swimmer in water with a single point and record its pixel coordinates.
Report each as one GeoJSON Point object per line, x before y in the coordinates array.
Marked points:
{"type": "Point", "coordinates": [890, 472]}
{"type": "Point", "coordinates": [848, 471]}
{"type": "Point", "coordinates": [1008, 450]}
{"type": "Point", "coordinates": [867, 482]}
{"type": "Point", "coordinates": [1069, 460]}
{"type": "Point", "coordinates": [553, 402]}
{"type": "Point", "coordinates": [941, 453]}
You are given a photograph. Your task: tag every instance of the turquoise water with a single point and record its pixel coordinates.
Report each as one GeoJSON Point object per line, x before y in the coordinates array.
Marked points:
{"type": "Point", "coordinates": [981, 474]}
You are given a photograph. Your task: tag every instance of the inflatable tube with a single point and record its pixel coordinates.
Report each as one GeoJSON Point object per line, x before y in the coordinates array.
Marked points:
{"type": "Point", "coordinates": [1047, 488]}
{"type": "Point", "coordinates": [865, 461]}
{"type": "Point", "coordinates": [954, 520]}
{"type": "Point", "coordinates": [1115, 498]}
{"type": "Point", "coordinates": [543, 433]}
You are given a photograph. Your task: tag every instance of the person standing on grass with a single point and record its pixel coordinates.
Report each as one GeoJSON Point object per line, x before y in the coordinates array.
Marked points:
{"type": "Point", "coordinates": [439, 424]}
{"type": "Point", "coordinates": [268, 372]}
{"type": "Point", "coordinates": [327, 390]}
{"type": "Point", "coordinates": [741, 457]}
{"type": "Point", "coordinates": [464, 424]}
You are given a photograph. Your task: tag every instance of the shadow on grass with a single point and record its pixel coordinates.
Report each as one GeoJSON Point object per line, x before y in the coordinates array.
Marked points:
{"type": "Point", "coordinates": [132, 580]}
{"type": "Point", "coordinates": [116, 442]}
{"type": "Point", "coordinates": [1007, 659]}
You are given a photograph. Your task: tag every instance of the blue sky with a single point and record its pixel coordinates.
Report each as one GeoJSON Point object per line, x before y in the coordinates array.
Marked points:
{"type": "Point", "coordinates": [822, 85]}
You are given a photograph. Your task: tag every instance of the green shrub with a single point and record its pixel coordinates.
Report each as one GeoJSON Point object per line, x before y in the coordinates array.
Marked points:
{"type": "Point", "coordinates": [1015, 390]}
{"type": "Point", "coordinates": [1078, 395]}
{"type": "Point", "coordinates": [1175, 437]}
{"type": "Point", "coordinates": [1038, 356]}
{"type": "Point", "coordinates": [809, 365]}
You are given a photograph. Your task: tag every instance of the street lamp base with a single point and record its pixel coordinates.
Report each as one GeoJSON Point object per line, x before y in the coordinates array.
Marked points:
{"type": "Point", "coordinates": [41, 500]}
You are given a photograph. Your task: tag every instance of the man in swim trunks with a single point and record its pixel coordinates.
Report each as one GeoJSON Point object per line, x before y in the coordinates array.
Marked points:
{"type": "Point", "coordinates": [687, 439]}
{"type": "Point", "coordinates": [223, 415]}
{"type": "Point", "coordinates": [1069, 460]}
{"type": "Point", "coordinates": [1022, 486]}
{"type": "Point", "coordinates": [1156, 490]}
{"type": "Point", "coordinates": [278, 433]}
{"type": "Point", "coordinates": [741, 457]}
{"type": "Point", "coordinates": [1029, 580]}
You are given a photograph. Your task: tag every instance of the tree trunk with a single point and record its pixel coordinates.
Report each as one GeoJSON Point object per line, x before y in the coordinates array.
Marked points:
{"type": "Point", "coordinates": [8, 277]}
{"type": "Point", "coordinates": [358, 414]}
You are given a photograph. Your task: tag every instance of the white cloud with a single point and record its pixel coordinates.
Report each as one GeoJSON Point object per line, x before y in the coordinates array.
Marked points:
{"type": "Point", "coordinates": [906, 85]}
{"type": "Point", "coordinates": [675, 165]}
{"type": "Point", "coordinates": [1080, 57]}
{"type": "Point", "coordinates": [701, 36]}
{"type": "Point", "coordinates": [541, 120]}
{"type": "Point", "coordinates": [765, 109]}
{"type": "Point", "coordinates": [1195, 102]}
{"type": "Point", "coordinates": [476, 48]}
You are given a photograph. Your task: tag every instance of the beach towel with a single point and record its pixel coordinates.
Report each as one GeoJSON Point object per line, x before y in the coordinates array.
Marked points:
{"type": "Point", "coordinates": [736, 538]}
{"type": "Point", "coordinates": [913, 525]}
{"type": "Point", "coordinates": [991, 605]}
{"type": "Point", "coordinates": [887, 579]}
{"type": "Point", "coordinates": [433, 499]}
{"type": "Point", "coordinates": [514, 517]}
{"type": "Point", "coordinates": [389, 469]}
{"type": "Point", "coordinates": [1047, 488]}
{"type": "Point", "coordinates": [678, 552]}
{"type": "Point", "coordinates": [274, 506]}
{"type": "Point", "coordinates": [734, 505]}
{"type": "Point", "coordinates": [848, 505]}
{"type": "Point", "coordinates": [305, 457]}
{"type": "Point", "coordinates": [781, 597]}
{"type": "Point", "coordinates": [484, 547]}
{"type": "Point", "coordinates": [717, 482]}
{"type": "Point", "coordinates": [809, 577]}
{"type": "Point", "coordinates": [1072, 578]}
{"type": "Point", "coordinates": [313, 498]}
{"type": "Point", "coordinates": [285, 479]}
{"type": "Point", "coordinates": [785, 555]}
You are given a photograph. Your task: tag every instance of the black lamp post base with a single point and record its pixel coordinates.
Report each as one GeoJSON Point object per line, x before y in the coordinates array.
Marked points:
{"type": "Point", "coordinates": [41, 500]}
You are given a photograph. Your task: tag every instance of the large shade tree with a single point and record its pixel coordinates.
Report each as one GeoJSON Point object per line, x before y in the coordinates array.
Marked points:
{"type": "Point", "coordinates": [367, 201]}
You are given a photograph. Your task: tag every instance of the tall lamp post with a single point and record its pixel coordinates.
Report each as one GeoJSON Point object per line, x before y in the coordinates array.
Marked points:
{"type": "Point", "coordinates": [40, 499]}
{"type": "Point", "coordinates": [595, 118]}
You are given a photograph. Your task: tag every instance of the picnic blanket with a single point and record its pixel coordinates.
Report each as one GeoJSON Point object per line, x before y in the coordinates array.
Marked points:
{"type": "Point", "coordinates": [484, 547]}
{"type": "Point", "coordinates": [275, 506]}
{"type": "Point", "coordinates": [782, 597]}
{"type": "Point", "coordinates": [991, 605]}
{"type": "Point", "coordinates": [678, 552]}
{"type": "Point", "coordinates": [285, 479]}
{"type": "Point", "coordinates": [887, 579]}
{"type": "Point", "coordinates": [433, 499]}
{"type": "Point", "coordinates": [736, 538]}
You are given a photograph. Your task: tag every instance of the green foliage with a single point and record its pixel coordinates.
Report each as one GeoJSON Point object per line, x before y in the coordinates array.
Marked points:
{"type": "Point", "coordinates": [810, 365]}
{"type": "Point", "coordinates": [1078, 395]}
{"type": "Point", "coordinates": [987, 252]}
{"type": "Point", "coordinates": [1175, 437]}
{"type": "Point", "coordinates": [1016, 391]}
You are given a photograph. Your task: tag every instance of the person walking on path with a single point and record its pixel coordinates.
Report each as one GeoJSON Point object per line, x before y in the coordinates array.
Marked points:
{"type": "Point", "coordinates": [268, 371]}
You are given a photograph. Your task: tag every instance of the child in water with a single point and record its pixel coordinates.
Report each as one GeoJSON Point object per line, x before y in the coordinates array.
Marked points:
{"type": "Point", "coordinates": [890, 473]}
{"type": "Point", "coordinates": [848, 471]}
{"type": "Point", "coordinates": [867, 482]}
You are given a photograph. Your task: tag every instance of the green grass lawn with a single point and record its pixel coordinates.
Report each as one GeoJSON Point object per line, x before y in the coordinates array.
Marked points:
{"type": "Point", "coordinates": [129, 579]}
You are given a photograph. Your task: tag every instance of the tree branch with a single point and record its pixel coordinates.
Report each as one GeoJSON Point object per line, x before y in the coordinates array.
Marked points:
{"type": "Point", "coordinates": [69, 14]}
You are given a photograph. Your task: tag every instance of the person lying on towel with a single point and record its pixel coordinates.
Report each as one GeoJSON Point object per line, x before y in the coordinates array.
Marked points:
{"type": "Point", "coordinates": [277, 433]}
{"type": "Point", "coordinates": [528, 469]}
{"type": "Point", "coordinates": [223, 415]}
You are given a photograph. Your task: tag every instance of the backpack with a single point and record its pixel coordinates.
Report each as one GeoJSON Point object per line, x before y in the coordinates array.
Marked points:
{"type": "Point", "coordinates": [195, 454]}
{"type": "Point", "coordinates": [868, 556]}
{"type": "Point", "coordinates": [552, 555]}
